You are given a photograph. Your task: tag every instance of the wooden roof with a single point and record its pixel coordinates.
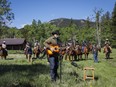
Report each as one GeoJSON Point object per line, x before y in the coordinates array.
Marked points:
{"type": "Point", "coordinates": [12, 41]}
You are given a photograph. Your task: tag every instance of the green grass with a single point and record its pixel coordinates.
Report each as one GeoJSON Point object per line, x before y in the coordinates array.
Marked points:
{"type": "Point", "coordinates": [16, 71]}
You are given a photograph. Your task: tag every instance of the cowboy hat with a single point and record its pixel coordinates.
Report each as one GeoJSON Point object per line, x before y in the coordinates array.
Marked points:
{"type": "Point", "coordinates": [106, 39]}
{"type": "Point", "coordinates": [56, 32]}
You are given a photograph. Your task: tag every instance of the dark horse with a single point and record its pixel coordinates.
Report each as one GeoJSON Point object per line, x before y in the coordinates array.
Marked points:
{"type": "Point", "coordinates": [3, 53]}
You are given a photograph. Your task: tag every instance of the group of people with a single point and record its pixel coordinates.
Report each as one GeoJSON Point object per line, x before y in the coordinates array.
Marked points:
{"type": "Point", "coordinates": [54, 61]}
{"type": "Point", "coordinates": [53, 58]}
{"type": "Point", "coordinates": [106, 49]}
{"type": "Point", "coordinates": [28, 50]}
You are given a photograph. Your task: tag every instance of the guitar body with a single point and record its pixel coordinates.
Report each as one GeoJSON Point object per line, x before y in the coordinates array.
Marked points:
{"type": "Point", "coordinates": [56, 50]}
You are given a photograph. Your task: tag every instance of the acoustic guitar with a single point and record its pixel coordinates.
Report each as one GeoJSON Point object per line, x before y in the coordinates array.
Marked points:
{"type": "Point", "coordinates": [56, 50]}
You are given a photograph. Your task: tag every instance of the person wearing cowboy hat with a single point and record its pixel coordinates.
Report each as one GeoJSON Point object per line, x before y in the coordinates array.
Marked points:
{"type": "Point", "coordinates": [53, 58]}
{"type": "Point", "coordinates": [107, 41]}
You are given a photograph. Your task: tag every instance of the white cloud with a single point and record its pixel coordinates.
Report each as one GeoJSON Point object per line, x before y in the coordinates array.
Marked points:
{"type": "Point", "coordinates": [21, 26]}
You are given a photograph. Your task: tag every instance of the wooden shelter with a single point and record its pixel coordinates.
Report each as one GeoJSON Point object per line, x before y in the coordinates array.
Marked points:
{"type": "Point", "coordinates": [14, 43]}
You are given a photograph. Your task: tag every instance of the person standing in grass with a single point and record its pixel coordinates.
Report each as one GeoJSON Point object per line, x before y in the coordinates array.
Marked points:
{"type": "Point", "coordinates": [95, 51]}
{"type": "Point", "coordinates": [53, 56]}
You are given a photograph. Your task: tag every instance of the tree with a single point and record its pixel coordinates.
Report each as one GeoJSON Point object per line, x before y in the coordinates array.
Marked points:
{"type": "Point", "coordinates": [105, 27]}
{"type": "Point", "coordinates": [88, 23]}
{"type": "Point", "coordinates": [5, 13]}
{"type": "Point", "coordinates": [98, 26]}
{"type": "Point", "coordinates": [113, 26]}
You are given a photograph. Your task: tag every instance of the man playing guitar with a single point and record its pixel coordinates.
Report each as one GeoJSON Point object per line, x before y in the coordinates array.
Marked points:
{"type": "Point", "coordinates": [52, 44]}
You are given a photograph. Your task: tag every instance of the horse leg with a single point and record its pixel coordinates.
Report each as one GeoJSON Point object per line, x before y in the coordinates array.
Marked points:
{"type": "Point", "coordinates": [1, 57]}
{"type": "Point", "coordinates": [69, 57]}
{"type": "Point", "coordinates": [108, 54]}
{"type": "Point", "coordinates": [5, 57]}
{"type": "Point", "coordinates": [66, 57]}
{"type": "Point", "coordinates": [87, 55]}
{"type": "Point", "coordinates": [78, 57]}
{"type": "Point", "coordinates": [75, 57]}
{"type": "Point", "coordinates": [37, 54]}
{"type": "Point", "coordinates": [26, 56]}
{"type": "Point", "coordinates": [29, 58]}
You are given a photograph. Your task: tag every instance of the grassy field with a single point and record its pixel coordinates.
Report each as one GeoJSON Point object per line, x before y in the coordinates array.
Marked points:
{"type": "Point", "coordinates": [17, 72]}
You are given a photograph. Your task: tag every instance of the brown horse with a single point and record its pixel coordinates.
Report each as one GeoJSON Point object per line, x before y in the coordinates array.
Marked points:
{"type": "Point", "coordinates": [90, 47]}
{"type": "Point", "coordinates": [107, 50]}
{"type": "Point", "coordinates": [68, 52]}
{"type": "Point", "coordinates": [78, 50]}
{"type": "Point", "coordinates": [37, 50]}
{"type": "Point", "coordinates": [72, 52]}
{"type": "Point", "coordinates": [3, 53]}
{"type": "Point", "coordinates": [86, 52]}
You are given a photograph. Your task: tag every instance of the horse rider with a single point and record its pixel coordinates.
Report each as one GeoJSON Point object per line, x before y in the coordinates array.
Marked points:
{"type": "Point", "coordinates": [107, 50]}
{"type": "Point", "coordinates": [107, 41]}
{"type": "Point", "coordinates": [36, 43]}
{"type": "Point", "coordinates": [53, 58]}
{"type": "Point", "coordinates": [4, 47]}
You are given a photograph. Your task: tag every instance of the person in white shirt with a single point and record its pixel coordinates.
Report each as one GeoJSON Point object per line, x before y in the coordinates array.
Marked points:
{"type": "Point", "coordinates": [36, 43]}
{"type": "Point", "coordinates": [4, 48]}
{"type": "Point", "coordinates": [4, 45]}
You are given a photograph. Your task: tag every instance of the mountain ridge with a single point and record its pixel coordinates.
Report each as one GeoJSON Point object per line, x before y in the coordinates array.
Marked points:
{"type": "Point", "coordinates": [65, 22]}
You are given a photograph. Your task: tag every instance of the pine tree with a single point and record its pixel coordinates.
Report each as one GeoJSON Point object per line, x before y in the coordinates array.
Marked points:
{"type": "Point", "coordinates": [113, 26]}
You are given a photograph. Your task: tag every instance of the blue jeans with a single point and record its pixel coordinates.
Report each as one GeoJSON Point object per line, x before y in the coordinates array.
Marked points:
{"type": "Point", "coordinates": [95, 55]}
{"type": "Point", "coordinates": [53, 67]}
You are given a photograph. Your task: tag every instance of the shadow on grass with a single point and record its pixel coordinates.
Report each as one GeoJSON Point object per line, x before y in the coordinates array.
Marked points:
{"type": "Point", "coordinates": [9, 58]}
{"type": "Point", "coordinates": [96, 78]}
{"type": "Point", "coordinates": [109, 58]}
{"type": "Point", "coordinates": [90, 79]}
{"type": "Point", "coordinates": [29, 69]}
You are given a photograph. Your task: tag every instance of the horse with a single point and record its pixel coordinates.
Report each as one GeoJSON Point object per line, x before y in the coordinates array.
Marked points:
{"type": "Point", "coordinates": [90, 45]}
{"type": "Point", "coordinates": [69, 52]}
{"type": "Point", "coordinates": [78, 50]}
{"type": "Point", "coordinates": [3, 53]}
{"type": "Point", "coordinates": [107, 50]}
{"type": "Point", "coordinates": [86, 51]}
{"type": "Point", "coordinates": [37, 50]}
{"type": "Point", "coordinates": [26, 52]}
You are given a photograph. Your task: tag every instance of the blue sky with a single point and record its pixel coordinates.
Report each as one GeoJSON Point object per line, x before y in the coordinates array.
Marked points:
{"type": "Point", "coordinates": [45, 10]}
